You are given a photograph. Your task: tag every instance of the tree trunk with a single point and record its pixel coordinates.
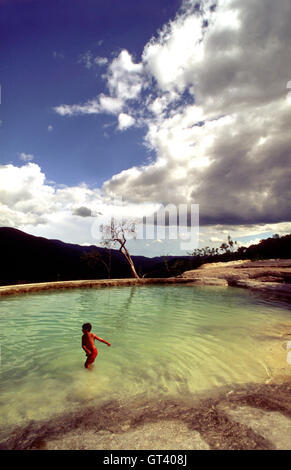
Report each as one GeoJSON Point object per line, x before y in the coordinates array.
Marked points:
{"type": "Point", "coordinates": [133, 269]}
{"type": "Point", "coordinates": [130, 262]}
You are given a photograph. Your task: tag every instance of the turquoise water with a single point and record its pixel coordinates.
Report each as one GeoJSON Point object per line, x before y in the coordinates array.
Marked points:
{"type": "Point", "coordinates": [166, 340]}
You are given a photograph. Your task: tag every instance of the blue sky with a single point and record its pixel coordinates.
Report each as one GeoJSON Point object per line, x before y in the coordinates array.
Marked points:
{"type": "Point", "coordinates": [42, 67]}
{"type": "Point", "coordinates": [154, 103]}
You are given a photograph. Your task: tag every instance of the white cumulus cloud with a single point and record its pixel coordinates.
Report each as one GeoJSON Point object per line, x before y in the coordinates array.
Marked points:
{"type": "Point", "coordinates": [213, 87]}
{"type": "Point", "coordinates": [125, 121]}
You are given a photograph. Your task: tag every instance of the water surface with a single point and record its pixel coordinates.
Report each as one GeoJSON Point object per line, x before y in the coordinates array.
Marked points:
{"type": "Point", "coordinates": [166, 340]}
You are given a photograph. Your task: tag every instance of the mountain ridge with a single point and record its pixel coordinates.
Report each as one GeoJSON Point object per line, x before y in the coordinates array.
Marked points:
{"type": "Point", "coordinates": [29, 258]}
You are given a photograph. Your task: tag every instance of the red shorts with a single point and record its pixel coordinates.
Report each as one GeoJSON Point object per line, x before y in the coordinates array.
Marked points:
{"type": "Point", "coordinates": [91, 358]}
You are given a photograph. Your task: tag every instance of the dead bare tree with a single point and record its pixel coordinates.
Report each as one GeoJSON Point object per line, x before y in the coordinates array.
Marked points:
{"type": "Point", "coordinates": [116, 233]}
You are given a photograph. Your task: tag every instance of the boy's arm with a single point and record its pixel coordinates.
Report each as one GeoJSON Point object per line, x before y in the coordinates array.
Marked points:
{"type": "Point", "coordinates": [102, 340]}
{"type": "Point", "coordinates": [87, 351]}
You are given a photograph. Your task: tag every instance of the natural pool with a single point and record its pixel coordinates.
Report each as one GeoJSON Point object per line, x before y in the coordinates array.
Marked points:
{"type": "Point", "coordinates": [166, 340]}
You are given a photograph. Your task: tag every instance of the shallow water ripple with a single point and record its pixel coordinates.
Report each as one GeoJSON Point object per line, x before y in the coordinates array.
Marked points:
{"type": "Point", "coordinates": [165, 340]}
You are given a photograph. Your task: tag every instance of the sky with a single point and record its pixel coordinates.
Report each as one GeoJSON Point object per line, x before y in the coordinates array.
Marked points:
{"type": "Point", "coordinates": [127, 108]}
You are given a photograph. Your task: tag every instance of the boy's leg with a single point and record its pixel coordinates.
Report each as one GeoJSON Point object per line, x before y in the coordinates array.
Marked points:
{"type": "Point", "coordinates": [91, 358]}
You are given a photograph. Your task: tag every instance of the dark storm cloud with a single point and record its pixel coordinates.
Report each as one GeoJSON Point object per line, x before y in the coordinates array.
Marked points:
{"type": "Point", "coordinates": [83, 212]}
{"type": "Point", "coordinates": [239, 83]}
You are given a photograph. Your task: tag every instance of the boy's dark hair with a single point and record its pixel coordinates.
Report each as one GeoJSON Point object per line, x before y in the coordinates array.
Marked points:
{"type": "Point", "coordinates": [87, 327]}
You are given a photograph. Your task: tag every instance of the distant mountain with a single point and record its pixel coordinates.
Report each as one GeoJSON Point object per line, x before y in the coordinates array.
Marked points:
{"type": "Point", "coordinates": [26, 258]}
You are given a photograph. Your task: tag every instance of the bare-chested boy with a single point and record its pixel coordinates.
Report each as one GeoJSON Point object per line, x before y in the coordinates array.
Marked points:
{"type": "Point", "coordinates": [88, 345]}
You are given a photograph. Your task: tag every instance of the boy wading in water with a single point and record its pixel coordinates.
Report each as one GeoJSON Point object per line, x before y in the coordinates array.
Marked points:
{"type": "Point", "coordinates": [88, 345]}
